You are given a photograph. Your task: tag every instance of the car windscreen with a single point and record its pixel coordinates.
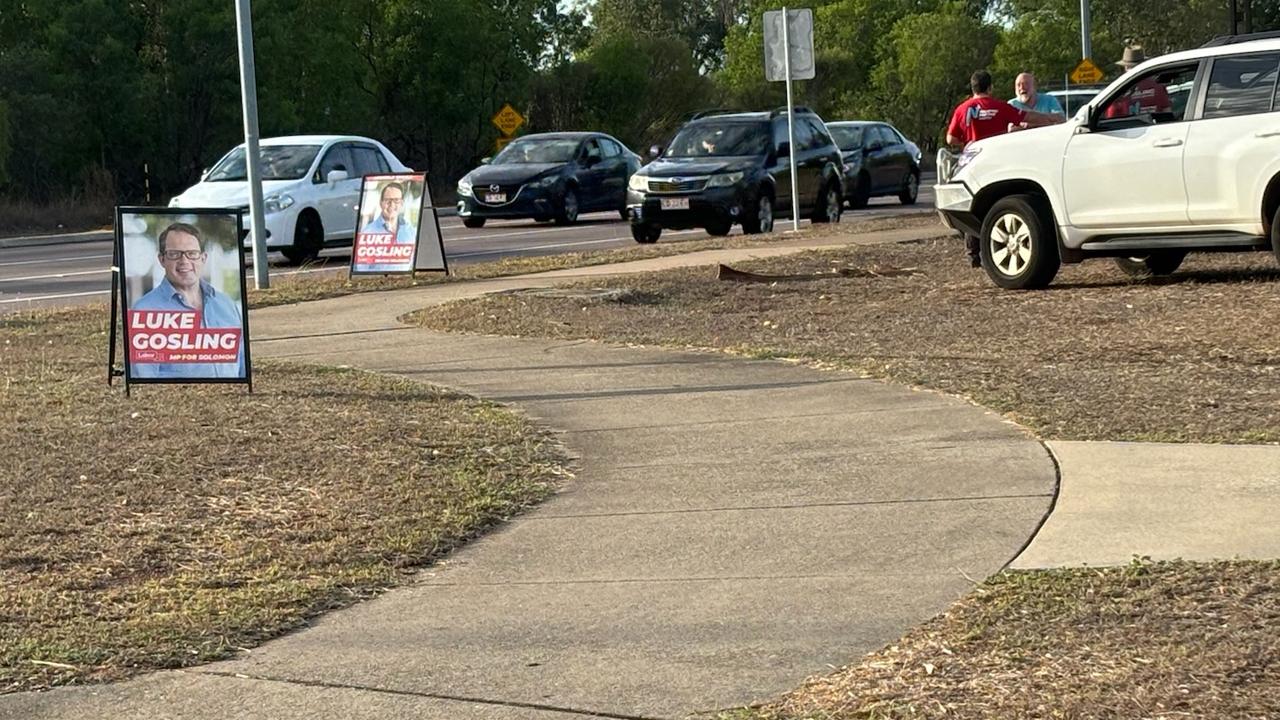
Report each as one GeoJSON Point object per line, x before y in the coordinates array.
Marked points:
{"type": "Point", "coordinates": [547, 150]}
{"type": "Point", "coordinates": [846, 137]}
{"type": "Point", "coordinates": [712, 139]}
{"type": "Point", "coordinates": [279, 162]}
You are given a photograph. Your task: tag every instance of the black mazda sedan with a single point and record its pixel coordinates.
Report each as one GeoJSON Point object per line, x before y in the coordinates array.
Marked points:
{"type": "Point", "coordinates": [549, 176]}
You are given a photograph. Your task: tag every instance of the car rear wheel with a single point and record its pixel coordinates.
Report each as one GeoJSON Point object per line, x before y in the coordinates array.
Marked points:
{"type": "Point", "coordinates": [1156, 264]}
{"type": "Point", "coordinates": [568, 213]}
{"type": "Point", "coordinates": [308, 239]}
{"type": "Point", "coordinates": [829, 205]}
{"type": "Point", "coordinates": [473, 222]}
{"type": "Point", "coordinates": [910, 188]}
{"type": "Point", "coordinates": [759, 219]}
{"type": "Point", "coordinates": [1018, 248]}
{"type": "Point", "coordinates": [720, 228]}
{"type": "Point", "coordinates": [646, 233]}
{"type": "Point", "coordinates": [861, 192]}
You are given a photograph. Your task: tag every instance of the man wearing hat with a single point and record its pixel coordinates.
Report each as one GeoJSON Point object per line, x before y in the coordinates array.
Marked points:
{"type": "Point", "coordinates": [1148, 96]}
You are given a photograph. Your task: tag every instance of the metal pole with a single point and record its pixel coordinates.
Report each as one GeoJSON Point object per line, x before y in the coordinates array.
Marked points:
{"type": "Point", "coordinates": [791, 119]}
{"type": "Point", "coordinates": [249, 99]}
{"type": "Point", "coordinates": [1248, 16]}
{"type": "Point", "coordinates": [1086, 45]}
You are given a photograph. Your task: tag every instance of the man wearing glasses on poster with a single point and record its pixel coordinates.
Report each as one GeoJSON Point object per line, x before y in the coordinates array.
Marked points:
{"type": "Point", "coordinates": [390, 221]}
{"type": "Point", "coordinates": [187, 293]}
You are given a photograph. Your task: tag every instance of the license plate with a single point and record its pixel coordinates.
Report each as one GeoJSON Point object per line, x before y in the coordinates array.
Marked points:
{"type": "Point", "coordinates": [495, 197]}
{"type": "Point", "coordinates": [675, 203]}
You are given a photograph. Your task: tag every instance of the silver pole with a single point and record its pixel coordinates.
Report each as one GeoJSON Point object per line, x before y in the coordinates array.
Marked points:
{"type": "Point", "coordinates": [1086, 46]}
{"type": "Point", "coordinates": [791, 118]}
{"type": "Point", "coordinates": [249, 99]}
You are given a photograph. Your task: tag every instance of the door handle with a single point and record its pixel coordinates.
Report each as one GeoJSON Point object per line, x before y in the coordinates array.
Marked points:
{"type": "Point", "coordinates": [1267, 133]}
{"type": "Point", "coordinates": [1167, 142]}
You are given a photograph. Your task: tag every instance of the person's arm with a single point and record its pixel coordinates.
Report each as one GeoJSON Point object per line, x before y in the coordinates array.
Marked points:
{"type": "Point", "coordinates": [1039, 119]}
{"type": "Point", "coordinates": [955, 130]}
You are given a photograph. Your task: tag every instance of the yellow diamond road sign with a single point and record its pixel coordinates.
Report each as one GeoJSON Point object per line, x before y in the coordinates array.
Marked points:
{"type": "Point", "coordinates": [508, 120]}
{"type": "Point", "coordinates": [1086, 72]}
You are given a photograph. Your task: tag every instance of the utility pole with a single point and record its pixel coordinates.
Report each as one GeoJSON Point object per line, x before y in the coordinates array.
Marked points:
{"type": "Point", "coordinates": [253, 161]}
{"type": "Point", "coordinates": [1086, 44]}
{"type": "Point", "coordinates": [1233, 17]}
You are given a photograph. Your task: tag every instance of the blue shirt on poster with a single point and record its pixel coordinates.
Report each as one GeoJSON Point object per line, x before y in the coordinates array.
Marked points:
{"type": "Point", "coordinates": [1044, 103]}
{"type": "Point", "coordinates": [219, 312]}
{"type": "Point", "coordinates": [404, 231]}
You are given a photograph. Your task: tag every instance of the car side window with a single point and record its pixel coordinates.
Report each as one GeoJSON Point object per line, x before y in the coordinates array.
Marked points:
{"type": "Point", "coordinates": [819, 137]}
{"type": "Point", "coordinates": [611, 149]}
{"type": "Point", "coordinates": [780, 133]}
{"type": "Point", "coordinates": [369, 161]}
{"type": "Point", "coordinates": [804, 135]}
{"type": "Point", "coordinates": [885, 136]}
{"type": "Point", "coordinates": [338, 158]}
{"type": "Point", "coordinates": [590, 149]}
{"type": "Point", "coordinates": [1157, 96]}
{"type": "Point", "coordinates": [1242, 85]}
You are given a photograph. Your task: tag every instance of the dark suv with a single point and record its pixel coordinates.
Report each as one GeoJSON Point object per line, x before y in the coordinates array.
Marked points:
{"type": "Point", "coordinates": [726, 168]}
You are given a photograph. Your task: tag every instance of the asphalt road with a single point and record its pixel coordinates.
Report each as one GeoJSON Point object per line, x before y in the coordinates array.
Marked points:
{"type": "Point", "coordinates": [74, 269]}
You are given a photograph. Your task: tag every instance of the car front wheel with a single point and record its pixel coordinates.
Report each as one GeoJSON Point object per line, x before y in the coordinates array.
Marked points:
{"type": "Point", "coordinates": [308, 239]}
{"type": "Point", "coordinates": [473, 222]}
{"type": "Point", "coordinates": [568, 213]}
{"type": "Point", "coordinates": [1018, 248]}
{"type": "Point", "coordinates": [910, 188]}
{"type": "Point", "coordinates": [759, 218]}
{"type": "Point", "coordinates": [829, 204]}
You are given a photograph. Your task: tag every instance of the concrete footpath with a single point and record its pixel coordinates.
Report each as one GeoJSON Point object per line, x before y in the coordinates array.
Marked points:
{"type": "Point", "coordinates": [734, 527]}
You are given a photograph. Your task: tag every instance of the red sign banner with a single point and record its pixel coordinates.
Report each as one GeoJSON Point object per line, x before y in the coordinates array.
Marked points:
{"type": "Point", "coordinates": [177, 336]}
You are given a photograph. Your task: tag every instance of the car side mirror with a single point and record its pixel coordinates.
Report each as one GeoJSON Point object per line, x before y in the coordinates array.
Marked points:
{"type": "Point", "coordinates": [204, 173]}
{"type": "Point", "coordinates": [336, 176]}
{"type": "Point", "coordinates": [655, 151]}
{"type": "Point", "coordinates": [486, 160]}
{"type": "Point", "coordinates": [784, 149]}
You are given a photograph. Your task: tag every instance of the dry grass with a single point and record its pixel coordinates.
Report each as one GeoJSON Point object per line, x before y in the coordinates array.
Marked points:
{"type": "Point", "coordinates": [62, 216]}
{"type": "Point", "coordinates": [181, 524]}
{"type": "Point", "coordinates": [1096, 356]}
{"type": "Point", "coordinates": [318, 286]}
{"type": "Point", "coordinates": [1160, 641]}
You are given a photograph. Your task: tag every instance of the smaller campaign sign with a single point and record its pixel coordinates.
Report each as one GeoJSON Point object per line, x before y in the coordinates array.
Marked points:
{"type": "Point", "coordinates": [390, 215]}
{"type": "Point", "coordinates": [182, 291]}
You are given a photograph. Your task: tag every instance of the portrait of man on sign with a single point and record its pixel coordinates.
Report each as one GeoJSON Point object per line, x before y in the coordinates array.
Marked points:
{"type": "Point", "coordinates": [183, 298]}
{"type": "Point", "coordinates": [390, 214]}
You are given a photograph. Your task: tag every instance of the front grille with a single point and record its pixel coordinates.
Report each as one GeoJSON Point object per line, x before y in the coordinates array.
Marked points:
{"type": "Point", "coordinates": [675, 185]}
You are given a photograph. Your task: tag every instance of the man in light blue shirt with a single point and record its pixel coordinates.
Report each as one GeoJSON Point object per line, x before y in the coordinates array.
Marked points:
{"type": "Point", "coordinates": [390, 221]}
{"type": "Point", "coordinates": [1029, 99]}
{"type": "Point", "coordinates": [182, 256]}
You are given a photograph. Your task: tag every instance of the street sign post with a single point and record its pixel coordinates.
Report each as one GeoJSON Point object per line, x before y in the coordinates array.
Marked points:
{"type": "Point", "coordinates": [788, 55]}
{"type": "Point", "coordinates": [508, 120]}
{"type": "Point", "coordinates": [1086, 72]}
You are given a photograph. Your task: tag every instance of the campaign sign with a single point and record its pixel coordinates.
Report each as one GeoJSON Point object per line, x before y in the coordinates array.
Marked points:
{"type": "Point", "coordinates": [390, 213]}
{"type": "Point", "coordinates": [180, 275]}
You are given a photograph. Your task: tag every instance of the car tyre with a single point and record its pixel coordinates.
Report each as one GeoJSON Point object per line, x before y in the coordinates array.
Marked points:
{"type": "Point", "coordinates": [568, 211]}
{"type": "Point", "coordinates": [308, 239]}
{"type": "Point", "coordinates": [759, 218]}
{"type": "Point", "coordinates": [861, 192]}
{"type": "Point", "coordinates": [624, 214]}
{"type": "Point", "coordinates": [646, 233]}
{"type": "Point", "coordinates": [473, 222]}
{"type": "Point", "coordinates": [1275, 234]}
{"type": "Point", "coordinates": [910, 188]}
{"type": "Point", "coordinates": [720, 228]}
{"type": "Point", "coordinates": [1018, 247]}
{"type": "Point", "coordinates": [829, 204]}
{"type": "Point", "coordinates": [1157, 264]}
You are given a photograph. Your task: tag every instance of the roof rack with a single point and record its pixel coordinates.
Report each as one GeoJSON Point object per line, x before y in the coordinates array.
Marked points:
{"type": "Point", "coordinates": [713, 111]}
{"type": "Point", "coordinates": [1246, 37]}
{"type": "Point", "coordinates": [783, 110]}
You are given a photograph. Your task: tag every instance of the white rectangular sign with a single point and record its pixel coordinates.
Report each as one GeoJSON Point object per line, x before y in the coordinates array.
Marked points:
{"type": "Point", "coordinates": [800, 34]}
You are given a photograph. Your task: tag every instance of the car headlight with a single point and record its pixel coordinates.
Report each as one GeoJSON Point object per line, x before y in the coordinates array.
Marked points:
{"type": "Point", "coordinates": [966, 157]}
{"type": "Point", "coordinates": [276, 203]}
{"type": "Point", "coordinates": [638, 182]}
{"type": "Point", "coordinates": [464, 187]}
{"type": "Point", "coordinates": [724, 179]}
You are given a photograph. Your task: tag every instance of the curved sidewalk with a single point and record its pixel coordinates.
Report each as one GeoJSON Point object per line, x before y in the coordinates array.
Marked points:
{"type": "Point", "coordinates": [735, 526]}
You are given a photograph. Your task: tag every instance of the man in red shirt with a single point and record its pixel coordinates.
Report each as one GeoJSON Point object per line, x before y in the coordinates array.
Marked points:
{"type": "Point", "coordinates": [983, 116]}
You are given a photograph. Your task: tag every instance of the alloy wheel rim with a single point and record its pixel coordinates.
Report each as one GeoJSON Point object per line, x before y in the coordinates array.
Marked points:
{"type": "Point", "coordinates": [1010, 245]}
{"type": "Point", "coordinates": [571, 205]}
{"type": "Point", "coordinates": [833, 206]}
{"type": "Point", "coordinates": [913, 185]}
{"type": "Point", "coordinates": [765, 214]}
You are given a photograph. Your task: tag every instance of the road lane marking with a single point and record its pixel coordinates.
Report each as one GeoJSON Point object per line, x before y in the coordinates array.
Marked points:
{"type": "Point", "coordinates": [53, 260]}
{"type": "Point", "coordinates": [56, 276]}
{"type": "Point", "coordinates": [38, 298]}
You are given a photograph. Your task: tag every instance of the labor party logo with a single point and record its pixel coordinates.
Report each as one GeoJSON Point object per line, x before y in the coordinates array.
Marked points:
{"type": "Point", "coordinates": [183, 295]}
{"type": "Point", "coordinates": [391, 213]}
